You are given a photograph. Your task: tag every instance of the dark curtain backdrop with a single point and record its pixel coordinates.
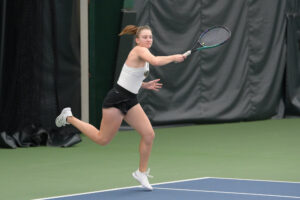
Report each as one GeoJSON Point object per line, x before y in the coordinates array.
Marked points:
{"type": "Point", "coordinates": [292, 87]}
{"type": "Point", "coordinates": [245, 79]}
{"type": "Point", "coordinates": [40, 71]}
{"type": "Point", "coordinates": [2, 35]}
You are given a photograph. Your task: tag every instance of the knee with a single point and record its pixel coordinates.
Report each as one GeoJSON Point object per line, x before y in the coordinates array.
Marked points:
{"type": "Point", "coordinates": [149, 137]}
{"type": "Point", "coordinates": [103, 141]}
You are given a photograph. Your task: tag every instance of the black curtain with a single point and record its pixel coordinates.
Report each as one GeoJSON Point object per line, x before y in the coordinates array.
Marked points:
{"type": "Point", "coordinates": [40, 72]}
{"type": "Point", "coordinates": [2, 35]}
{"type": "Point", "coordinates": [242, 80]}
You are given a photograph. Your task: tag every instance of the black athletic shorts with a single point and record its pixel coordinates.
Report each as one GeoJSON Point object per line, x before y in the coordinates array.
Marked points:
{"type": "Point", "coordinates": [120, 98]}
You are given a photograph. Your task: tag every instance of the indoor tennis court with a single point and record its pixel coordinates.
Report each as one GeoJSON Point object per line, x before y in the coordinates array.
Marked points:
{"type": "Point", "coordinates": [262, 150]}
{"type": "Point", "coordinates": [204, 94]}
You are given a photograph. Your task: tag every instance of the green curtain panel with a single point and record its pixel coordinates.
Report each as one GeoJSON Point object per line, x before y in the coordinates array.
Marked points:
{"type": "Point", "coordinates": [104, 27]}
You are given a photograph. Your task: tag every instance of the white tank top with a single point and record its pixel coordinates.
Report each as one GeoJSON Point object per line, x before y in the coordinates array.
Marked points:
{"type": "Point", "coordinates": [132, 78]}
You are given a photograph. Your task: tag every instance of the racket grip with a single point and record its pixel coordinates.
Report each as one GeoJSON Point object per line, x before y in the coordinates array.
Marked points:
{"type": "Point", "coordinates": [187, 53]}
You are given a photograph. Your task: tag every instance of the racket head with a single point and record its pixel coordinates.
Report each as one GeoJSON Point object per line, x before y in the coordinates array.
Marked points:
{"type": "Point", "coordinates": [213, 37]}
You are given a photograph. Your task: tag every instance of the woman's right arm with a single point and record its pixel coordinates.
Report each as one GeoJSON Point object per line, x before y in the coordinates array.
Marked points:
{"type": "Point", "coordinates": [146, 55]}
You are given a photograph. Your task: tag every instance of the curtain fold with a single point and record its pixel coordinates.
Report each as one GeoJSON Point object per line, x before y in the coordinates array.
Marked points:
{"type": "Point", "coordinates": [240, 81]}
{"type": "Point", "coordinates": [293, 65]}
{"type": "Point", "coordinates": [2, 36]}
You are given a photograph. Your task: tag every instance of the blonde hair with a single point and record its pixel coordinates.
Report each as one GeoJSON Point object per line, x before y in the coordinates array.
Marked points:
{"type": "Point", "coordinates": [134, 30]}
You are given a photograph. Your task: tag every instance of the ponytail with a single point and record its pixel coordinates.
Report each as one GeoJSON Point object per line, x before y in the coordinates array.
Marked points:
{"type": "Point", "coordinates": [133, 30]}
{"type": "Point", "coordinates": [129, 30]}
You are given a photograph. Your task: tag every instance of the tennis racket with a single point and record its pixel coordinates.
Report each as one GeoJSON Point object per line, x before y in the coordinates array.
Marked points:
{"type": "Point", "coordinates": [212, 37]}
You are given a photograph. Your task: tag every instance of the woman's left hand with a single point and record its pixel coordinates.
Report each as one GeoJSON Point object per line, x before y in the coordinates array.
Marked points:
{"type": "Point", "coordinates": [152, 85]}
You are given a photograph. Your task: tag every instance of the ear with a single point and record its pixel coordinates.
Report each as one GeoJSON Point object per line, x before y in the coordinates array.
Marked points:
{"type": "Point", "coordinates": [137, 40]}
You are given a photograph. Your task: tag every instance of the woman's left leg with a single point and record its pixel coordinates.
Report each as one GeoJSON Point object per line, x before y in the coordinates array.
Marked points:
{"type": "Point", "coordinates": [138, 120]}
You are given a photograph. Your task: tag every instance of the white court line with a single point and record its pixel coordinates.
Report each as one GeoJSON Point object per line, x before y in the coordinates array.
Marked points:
{"type": "Point", "coordinates": [138, 186]}
{"type": "Point", "coordinates": [223, 192]}
{"type": "Point", "coordinates": [123, 188]}
{"type": "Point", "coordinates": [258, 180]}
{"type": "Point", "coordinates": [77, 194]}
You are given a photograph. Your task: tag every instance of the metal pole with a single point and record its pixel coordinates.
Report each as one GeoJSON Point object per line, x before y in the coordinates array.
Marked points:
{"type": "Point", "coordinates": [84, 52]}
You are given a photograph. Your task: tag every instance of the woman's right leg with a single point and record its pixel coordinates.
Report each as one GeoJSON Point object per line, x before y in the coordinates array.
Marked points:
{"type": "Point", "coordinates": [110, 124]}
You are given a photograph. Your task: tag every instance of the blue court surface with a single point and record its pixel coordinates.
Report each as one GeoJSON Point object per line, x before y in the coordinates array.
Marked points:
{"type": "Point", "coordinates": [201, 188]}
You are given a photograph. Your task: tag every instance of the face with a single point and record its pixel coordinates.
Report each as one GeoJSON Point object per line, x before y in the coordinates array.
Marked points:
{"type": "Point", "coordinates": [144, 39]}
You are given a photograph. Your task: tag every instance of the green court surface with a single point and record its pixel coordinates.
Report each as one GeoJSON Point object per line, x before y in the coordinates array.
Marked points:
{"type": "Point", "coordinates": [267, 150]}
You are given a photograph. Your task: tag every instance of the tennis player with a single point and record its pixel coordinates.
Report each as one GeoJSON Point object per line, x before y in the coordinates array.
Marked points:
{"type": "Point", "coordinates": [121, 101]}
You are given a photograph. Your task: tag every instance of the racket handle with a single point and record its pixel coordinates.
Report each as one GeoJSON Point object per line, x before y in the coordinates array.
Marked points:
{"type": "Point", "coordinates": [187, 53]}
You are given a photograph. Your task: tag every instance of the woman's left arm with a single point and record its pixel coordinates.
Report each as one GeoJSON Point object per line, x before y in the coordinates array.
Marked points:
{"type": "Point", "coordinates": [152, 85]}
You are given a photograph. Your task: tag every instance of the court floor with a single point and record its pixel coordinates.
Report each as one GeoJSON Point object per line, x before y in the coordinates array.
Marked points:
{"type": "Point", "coordinates": [200, 188]}
{"type": "Point", "coordinates": [260, 150]}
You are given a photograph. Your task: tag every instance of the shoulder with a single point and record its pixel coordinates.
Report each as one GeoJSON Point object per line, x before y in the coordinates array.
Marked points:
{"type": "Point", "coordinates": [139, 49]}
{"type": "Point", "coordinates": [141, 54]}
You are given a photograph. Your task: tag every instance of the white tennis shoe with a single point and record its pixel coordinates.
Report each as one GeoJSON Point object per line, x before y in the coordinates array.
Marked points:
{"type": "Point", "coordinates": [61, 120]}
{"type": "Point", "coordinates": [142, 178]}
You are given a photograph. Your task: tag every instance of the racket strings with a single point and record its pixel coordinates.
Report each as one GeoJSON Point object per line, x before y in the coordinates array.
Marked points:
{"type": "Point", "coordinates": [214, 37]}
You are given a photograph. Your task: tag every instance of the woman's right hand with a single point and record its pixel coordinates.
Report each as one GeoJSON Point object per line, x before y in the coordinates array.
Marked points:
{"type": "Point", "coordinates": [179, 58]}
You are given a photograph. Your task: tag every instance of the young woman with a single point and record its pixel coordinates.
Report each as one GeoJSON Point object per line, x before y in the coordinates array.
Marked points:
{"type": "Point", "coordinates": [121, 102]}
